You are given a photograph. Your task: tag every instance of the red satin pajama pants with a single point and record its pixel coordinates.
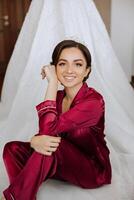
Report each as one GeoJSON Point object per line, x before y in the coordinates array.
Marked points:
{"type": "Point", "coordinates": [27, 169]}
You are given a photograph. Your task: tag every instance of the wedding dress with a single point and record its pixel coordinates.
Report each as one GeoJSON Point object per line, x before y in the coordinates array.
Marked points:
{"type": "Point", "coordinates": [47, 23]}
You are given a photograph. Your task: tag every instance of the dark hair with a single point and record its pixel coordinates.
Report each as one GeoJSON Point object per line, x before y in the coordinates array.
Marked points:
{"type": "Point", "coordinates": [68, 44]}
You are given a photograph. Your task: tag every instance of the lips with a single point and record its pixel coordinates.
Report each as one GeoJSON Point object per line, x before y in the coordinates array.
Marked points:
{"type": "Point", "coordinates": [69, 78]}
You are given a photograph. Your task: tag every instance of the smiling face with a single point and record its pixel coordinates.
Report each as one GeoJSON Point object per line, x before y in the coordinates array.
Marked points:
{"type": "Point", "coordinates": [71, 67]}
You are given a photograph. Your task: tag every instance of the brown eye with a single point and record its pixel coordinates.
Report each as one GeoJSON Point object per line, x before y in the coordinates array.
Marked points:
{"type": "Point", "coordinates": [78, 64]}
{"type": "Point", "coordinates": [61, 64]}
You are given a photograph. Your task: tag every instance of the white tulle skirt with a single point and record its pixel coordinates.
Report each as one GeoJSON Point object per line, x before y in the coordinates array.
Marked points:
{"type": "Point", "coordinates": [47, 23]}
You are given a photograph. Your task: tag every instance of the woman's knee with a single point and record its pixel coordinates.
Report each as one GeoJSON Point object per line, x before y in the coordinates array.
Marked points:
{"type": "Point", "coordinates": [10, 147]}
{"type": "Point", "coordinates": [65, 147]}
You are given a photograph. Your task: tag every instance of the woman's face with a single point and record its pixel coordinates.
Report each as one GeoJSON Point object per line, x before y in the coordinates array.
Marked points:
{"type": "Point", "coordinates": [71, 67]}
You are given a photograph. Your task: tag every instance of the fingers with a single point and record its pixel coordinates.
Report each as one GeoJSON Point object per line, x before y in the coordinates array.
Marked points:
{"type": "Point", "coordinates": [51, 139]}
{"type": "Point", "coordinates": [51, 149]}
{"type": "Point", "coordinates": [46, 150]}
{"type": "Point", "coordinates": [43, 73]}
{"type": "Point", "coordinates": [48, 153]}
{"type": "Point", "coordinates": [54, 144]}
{"type": "Point", "coordinates": [49, 72]}
{"type": "Point", "coordinates": [46, 144]}
{"type": "Point", "coordinates": [55, 139]}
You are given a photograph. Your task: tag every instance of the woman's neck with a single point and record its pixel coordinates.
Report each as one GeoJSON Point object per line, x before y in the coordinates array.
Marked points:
{"type": "Point", "coordinates": [71, 92]}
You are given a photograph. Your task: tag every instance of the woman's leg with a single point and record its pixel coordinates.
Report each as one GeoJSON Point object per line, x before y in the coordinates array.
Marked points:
{"type": "Point", "coordinates": [75, 167]}
{"type": "Point", "coordinates": [66, 163]}
{"type": "Point", "coordinates": [15, 156]}
{"type": "Point", "coordinates": [27, 169]}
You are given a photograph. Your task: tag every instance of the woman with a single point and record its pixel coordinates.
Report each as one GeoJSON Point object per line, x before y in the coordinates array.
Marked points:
{"type": "Point", "coordinates": [70, 145]}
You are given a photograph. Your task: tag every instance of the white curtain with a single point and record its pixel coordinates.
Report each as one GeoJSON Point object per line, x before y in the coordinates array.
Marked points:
{"type": "Point", "coordinates": [47, 23]}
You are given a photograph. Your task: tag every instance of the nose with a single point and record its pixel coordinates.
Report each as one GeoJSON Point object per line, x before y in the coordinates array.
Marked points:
{"type": "Point", "coordinates": [69, 68]}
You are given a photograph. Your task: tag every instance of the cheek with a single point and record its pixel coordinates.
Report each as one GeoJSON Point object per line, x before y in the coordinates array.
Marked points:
{"type": "Point", "coordinates": [86, 72]}
{"type": "Point", "coordinates": [58, 72]}
{"type": "Point", "coordinates": [82, 73]}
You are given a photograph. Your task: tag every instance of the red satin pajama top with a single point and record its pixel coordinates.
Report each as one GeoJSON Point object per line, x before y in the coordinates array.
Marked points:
{"type": "Point", "coordinates": [82, 125]}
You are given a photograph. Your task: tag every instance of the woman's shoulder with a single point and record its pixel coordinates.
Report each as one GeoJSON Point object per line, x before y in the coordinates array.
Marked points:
{"type": "Point", "coordinates": [94, 99]}
{"type": "Point", "coordinates": [92, 93]}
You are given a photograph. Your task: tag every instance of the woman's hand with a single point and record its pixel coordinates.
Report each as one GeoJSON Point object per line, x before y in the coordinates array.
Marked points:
{"type": "Point", "coordinates": [45, 144]}
{"type": "Point", "coordinates": [49, 72]}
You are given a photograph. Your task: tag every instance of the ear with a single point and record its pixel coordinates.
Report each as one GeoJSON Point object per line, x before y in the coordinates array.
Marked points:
{"type": "Point", "coordinates": [88, 70]}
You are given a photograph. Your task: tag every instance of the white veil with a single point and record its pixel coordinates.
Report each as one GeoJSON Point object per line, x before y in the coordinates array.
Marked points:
{"type": "Point", "coordinates": [47, 23]}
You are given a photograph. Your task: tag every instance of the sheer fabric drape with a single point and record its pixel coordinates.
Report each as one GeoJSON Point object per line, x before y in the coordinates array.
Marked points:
{"type": "Point", "coordinates": [47, 23]}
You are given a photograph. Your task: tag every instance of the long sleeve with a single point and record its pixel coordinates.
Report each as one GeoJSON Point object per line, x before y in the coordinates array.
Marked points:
{"type": "Point", "coordinates": [84, 114]}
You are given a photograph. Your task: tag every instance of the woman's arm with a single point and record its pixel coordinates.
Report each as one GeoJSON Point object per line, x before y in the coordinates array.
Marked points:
{"type": "Point", "coordinates": [51, 91]}
{"type": "Point", "coordinates": [47, 144]}
{"type": "Point", "coordinates": [85, 114]}
{"type": "Point", "coordinates": [50, 73]}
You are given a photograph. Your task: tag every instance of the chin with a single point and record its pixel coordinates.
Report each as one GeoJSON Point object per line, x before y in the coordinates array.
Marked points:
{"type": "Point", "coordinates": [71, 85]}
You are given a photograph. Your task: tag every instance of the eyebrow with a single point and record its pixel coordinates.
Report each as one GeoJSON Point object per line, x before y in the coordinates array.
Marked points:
{"type": "Point", "coordinates": [66, 60]}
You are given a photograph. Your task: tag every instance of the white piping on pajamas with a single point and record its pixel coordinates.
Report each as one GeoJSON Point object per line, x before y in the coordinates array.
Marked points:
{"type": "Point", "coordinates": [46, 108]}
{"type": "Point", "coordinates": [12, 197]}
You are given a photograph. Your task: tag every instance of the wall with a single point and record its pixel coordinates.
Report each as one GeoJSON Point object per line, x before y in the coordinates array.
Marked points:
{"type": "Point", "coordinates": [104, 8]}
{"type": "Point", "coordinates": [122, 33]}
